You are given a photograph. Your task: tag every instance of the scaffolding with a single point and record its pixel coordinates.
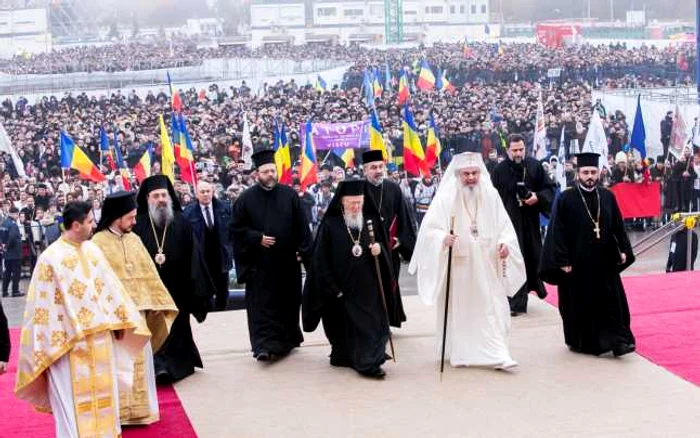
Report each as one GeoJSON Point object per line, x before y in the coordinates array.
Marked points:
{"type": "Point", "coordinates": [78, 20]}
{"type": "Point", "coordinates": [393, 21]}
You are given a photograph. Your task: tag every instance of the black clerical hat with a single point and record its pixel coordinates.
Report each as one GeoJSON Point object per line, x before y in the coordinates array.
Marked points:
{"type": "Point", "coordinates": [351, 187]}
{"type": "Point", "coordinates": [371, 156]}
{"type": "Point", "coordinates": [156, 182]}
{"type": "Point", "coordinates": [115, 206]}
{"type": "Point", "coordinates": [265, 156]}
{"type": "Point", "coordinates": [587, 159]}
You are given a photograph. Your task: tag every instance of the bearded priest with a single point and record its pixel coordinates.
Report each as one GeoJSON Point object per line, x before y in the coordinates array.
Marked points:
{"type": "Point", "coordinates": [168, 237]}
{"type": "Point", "coordinates": [487, 265]}
{"type": "Point", "coordinates": [342, 286]}
{"type": "Point", "coordinates": [131, 262]}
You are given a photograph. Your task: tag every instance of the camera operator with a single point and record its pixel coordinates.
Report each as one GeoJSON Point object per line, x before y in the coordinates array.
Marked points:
{"type": "Point", "coordinates": [526, 191]}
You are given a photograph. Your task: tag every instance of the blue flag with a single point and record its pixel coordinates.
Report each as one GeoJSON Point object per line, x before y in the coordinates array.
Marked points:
{"type": "Point", "coordinates": [104, 140]}
{"type": "Point", "coordinates": [639, 134]}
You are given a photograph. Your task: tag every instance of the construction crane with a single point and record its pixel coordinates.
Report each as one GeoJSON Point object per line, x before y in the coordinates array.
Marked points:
{"type": "Point", "coordinates": [393, 21]}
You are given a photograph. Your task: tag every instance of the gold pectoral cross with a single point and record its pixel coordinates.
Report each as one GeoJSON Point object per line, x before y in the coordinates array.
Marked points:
{"type": "Point", "coordinates": [596, 230]}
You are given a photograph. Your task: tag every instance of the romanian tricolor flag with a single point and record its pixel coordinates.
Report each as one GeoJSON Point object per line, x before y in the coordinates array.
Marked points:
{"type": "Point", "coordinates": [433, 148]}
{"type": "Point", "coordinates": [283, 160]}
{"type": "Point", "coordinates": [426, 78]}
{"type": "Point", "coordinates": [348, 157]}
{"type": "Point", "coordinates": [309, 169]}
{"type": "Point", "coordinates": [105, 150]}
{"type": "Point", "coordinates": [142, 170]}
{"type": "Point", "coordinates": [72, 157]}
{"type": "Point", "coordinates": [166, 152]}
{"type": "Point", "coordinates": [376, 140]}
{"type": "Point", "coordinates": [376, 85]}
{"type": "Point", "coordinates": [175, 101]}
{"type": "Point", "coordinates": [404, 91]}
{"type": "Point", "coordinates": [187, 152]}
{"type": "Point", "coordinates": [443, 84]}
{"type": "Point", "coordinates": [413, 156]}
{"type": "Point", "coordinates": [183, 154]}
{"type": "Point", "coordinates": [466, 51]}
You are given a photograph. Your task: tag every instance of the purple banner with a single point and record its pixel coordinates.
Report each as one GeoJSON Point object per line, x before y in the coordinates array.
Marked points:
{"type": "Point", "coordinates": [338, 135]}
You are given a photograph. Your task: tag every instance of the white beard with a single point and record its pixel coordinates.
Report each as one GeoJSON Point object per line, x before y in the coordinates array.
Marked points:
{"type": "Point", "coordinates": [354, 221]}
{"type": "Point", "coordinates": [161, 216]}
{"type": "Point", "coordinates": [470, 193]}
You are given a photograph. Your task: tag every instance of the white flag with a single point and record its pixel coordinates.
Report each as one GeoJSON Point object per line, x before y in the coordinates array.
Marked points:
{"type": "Point", "coordinates": [678, 134]}
{"type": "Point", "coordinates": [596, 141]}
{"type": "Point", "coordinates": [6, 146]}
{"type": "Point", "coordinates": [247, 144]}
{"type": "Point", "coordinates": [561, 155]}
{"type": "Point", "coordinates": [540, 142]}
{"type": "Point", "coordinates": [696, 133]}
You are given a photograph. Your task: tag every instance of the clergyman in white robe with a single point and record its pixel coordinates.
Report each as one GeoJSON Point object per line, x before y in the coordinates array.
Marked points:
{"type": "Point", "coordinates": [478, 324]}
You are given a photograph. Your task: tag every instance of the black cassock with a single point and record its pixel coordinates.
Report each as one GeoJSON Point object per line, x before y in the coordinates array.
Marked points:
{"type": "Point", "coordinates": [272, 276]}
{"type": "Point", "coordinates": [526, 219]}
{"type": "Point", "coordinates": [592, 300]}
{"type": "Point", "coordinates": [343, 291]}
{"type": "Point", "coordinates": [678, 252]}
{"type": "Point", "coordinates": [185, 275]}
{"type": "Point", "coordinates": [398, 222]}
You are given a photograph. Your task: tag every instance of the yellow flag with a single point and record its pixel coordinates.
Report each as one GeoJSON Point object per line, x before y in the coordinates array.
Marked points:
{"type": "Point", "coordinates": [167, 152]}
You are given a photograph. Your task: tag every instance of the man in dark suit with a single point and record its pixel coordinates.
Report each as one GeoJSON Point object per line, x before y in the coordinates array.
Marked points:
{"type": "Point", "coordinates": [210, 220]}
{"type": "Point", "coordinates": [12, 245]}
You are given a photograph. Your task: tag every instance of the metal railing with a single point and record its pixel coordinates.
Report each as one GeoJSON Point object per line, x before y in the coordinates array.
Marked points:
{"type": "Point", "coordinates": [211, 70]}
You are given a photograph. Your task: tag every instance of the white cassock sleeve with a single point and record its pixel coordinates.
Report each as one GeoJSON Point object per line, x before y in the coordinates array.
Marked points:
{"type": "Point", "coordinates": [513, 276]}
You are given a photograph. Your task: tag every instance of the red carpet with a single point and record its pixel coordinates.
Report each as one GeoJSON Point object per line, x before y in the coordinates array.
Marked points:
{"type": "Point", "coordinates": [665, 320]}
{"type": "Point", "coordinates": [19, 419]}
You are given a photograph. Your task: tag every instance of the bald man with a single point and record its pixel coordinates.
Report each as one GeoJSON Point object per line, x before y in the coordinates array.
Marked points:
{"type": "Point", "coordinates": [210, 220]}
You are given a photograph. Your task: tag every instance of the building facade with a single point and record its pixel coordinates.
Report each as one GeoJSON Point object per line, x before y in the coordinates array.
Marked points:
{"type": "Point", "coordinates": [299, 21]}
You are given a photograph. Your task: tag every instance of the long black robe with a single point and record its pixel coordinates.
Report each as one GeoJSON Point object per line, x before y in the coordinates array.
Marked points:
{"type": "Point", "coordinates": [185, 275]}
{"type": "Point", "coordinates": [678, 252]}
{"type": "Point", "coordinates": [394, 210]}
{"type": "Point", "coordinates": [592, 300]}
{"type": "Point", "coordinates": [272, 276]}
{"type": "Point", "coordinates": [343, 291]}
{"type": "Point", "coordinates": [526, 219]}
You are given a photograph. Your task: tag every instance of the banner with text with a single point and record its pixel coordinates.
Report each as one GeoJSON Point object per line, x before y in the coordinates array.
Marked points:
{"type": "Point", "coordinates": [338, 135]}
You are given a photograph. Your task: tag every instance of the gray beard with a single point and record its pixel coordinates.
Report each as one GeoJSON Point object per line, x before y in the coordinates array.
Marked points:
{"type": "Point", "coordinates": [378, 182]}
{"type": "Point", "coordinates": [354, 222]}
{"type": "Point", "coordinates": [161, 216]}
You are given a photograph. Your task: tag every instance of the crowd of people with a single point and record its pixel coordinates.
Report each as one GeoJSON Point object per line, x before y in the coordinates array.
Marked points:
{"type": "Point", "coordinates": [478, 115]}
{"type": "Point", "coordinates": [162, 253]}
{"type": "Point", "coordinates": [613, 65]}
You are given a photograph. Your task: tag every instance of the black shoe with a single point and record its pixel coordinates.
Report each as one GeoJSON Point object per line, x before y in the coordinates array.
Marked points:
{"type": "Point", "coordinates": [542, 294]}
{"type": "Point", "coordinates": [263, 356]}
{"type": "Point", "coordinates": [622, 349]}
{"type": "Point", "coordinates": [17, 295]}
{"type": "Point", "coordinates": [163, 378]}
{"type": "Point", "coordinates": [514, 313]}
{"type": "Point", "coordinates": [387, 356]}
{"type": "Point", "coordinates": [5, 295]}
{"type": "Point", "coordinates": [340, 362]}
{"type": "Point", "coordinates": [376, 373]}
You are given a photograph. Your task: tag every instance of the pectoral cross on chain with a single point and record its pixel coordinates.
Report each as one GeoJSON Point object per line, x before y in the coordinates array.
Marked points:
{"type": "Point", "coordinates": [596, 230]}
